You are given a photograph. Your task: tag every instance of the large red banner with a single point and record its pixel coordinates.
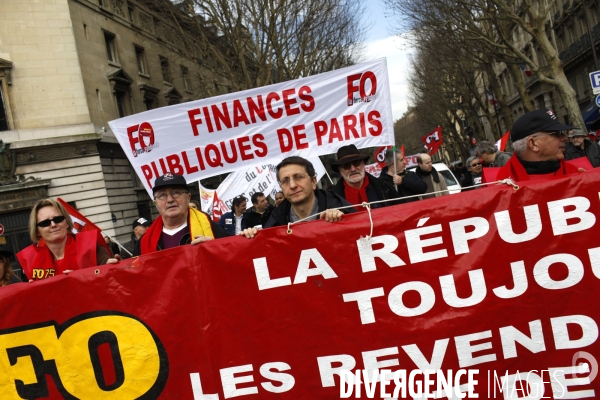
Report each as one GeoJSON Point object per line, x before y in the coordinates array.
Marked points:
{"type": "Point", "coordinates": [501, 284]}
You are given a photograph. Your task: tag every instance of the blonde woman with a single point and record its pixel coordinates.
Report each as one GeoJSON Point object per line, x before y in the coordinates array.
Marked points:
{"type": "Point", "coordinates": [56, 249]}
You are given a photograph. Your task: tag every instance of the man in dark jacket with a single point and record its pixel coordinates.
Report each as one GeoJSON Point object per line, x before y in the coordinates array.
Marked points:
{"type": "Point", "coordinates": [298, 181]}
{"type": "Point", "coordinates": [407, 182]}
{"type": "Point", "coordinates": [357, 185]}
{"type": "Point", "coordinates": [260, 212]}
{"type": "Point", "coordinates": [490, 155]}
{"type": "Point", "coordinates": [139, 226]}
{"type": "Point", "coordinates": [580, 146]}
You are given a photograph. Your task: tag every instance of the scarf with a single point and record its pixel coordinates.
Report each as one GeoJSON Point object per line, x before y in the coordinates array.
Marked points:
{"type": "Point", "coordinates": [515, 170]}
{"type": "Point", "coordinates": [357, 196]}
{"type": "Point", "coordinates": [38, 262]}
{"type": "Point", "coordinates": [433, 174]}
{"type": "Point", "coordinates": [198, 224]}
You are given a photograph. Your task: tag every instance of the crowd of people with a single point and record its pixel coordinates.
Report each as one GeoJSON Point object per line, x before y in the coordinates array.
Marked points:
{"type": "Point", "coordinates": [540, 149]}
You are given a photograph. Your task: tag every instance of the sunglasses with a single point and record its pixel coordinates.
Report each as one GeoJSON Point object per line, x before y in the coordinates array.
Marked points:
{"type": "Point", "coordinates": [348, 165]}
{"type": "Point", "coordinates": [476, 164]}
{"type": "Point", "coordinates": [46, 223]}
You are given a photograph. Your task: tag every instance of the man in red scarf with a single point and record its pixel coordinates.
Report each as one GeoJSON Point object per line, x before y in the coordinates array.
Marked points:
{"type": "Point", "coordinates": [357, 185]}
{"type": "Point", "coordinates": [177, 224]}
{"type": "Point", "coordinates": [539, 142]}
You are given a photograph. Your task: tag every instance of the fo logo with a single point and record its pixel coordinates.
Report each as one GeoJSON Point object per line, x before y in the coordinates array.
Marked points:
{"type": "Point", "coordinates": [144, 138]}
{"type": "Point", "coordinates": [99, 355]}
{"type": "Point", "coordinates": [366, 87]}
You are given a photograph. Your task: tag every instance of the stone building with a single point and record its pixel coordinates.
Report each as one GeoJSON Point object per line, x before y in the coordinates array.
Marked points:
{"type": "Point", "coordinates": [67, 67]}
{"type": "Point", "coordinates": [573, 27]}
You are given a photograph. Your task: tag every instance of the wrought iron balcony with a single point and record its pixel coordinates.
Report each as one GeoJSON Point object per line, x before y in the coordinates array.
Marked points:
{"type": "Point", "coordinates": [580, 45]}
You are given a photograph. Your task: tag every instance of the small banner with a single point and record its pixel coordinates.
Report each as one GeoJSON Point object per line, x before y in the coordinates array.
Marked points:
{"type": "Point", "coordinates": [307, 117]}
{"type": "Point", "coordinates": [490, 295]}
{"type": "Point", "coordinates": [433, 140]}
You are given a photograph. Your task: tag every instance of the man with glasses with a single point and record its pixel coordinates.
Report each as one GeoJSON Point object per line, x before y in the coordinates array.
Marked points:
{"type": "Point", "coordinates": [178, 224]}
{"type": "Point", "coordinates": [298, 181]}
{"type": "Point", "coordinates": [539, 143]}
{"type": "Point", "coordinates": [407, 182]}
{"type": "Point", "coordinates": [357, 185]}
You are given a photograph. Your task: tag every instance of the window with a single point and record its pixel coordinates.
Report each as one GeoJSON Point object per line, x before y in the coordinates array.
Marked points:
{"type": "Point", "coordinates": [101, 3]}
{"type": "Point", "coordinates": [164, 65]}
{"type": "Point", "coordinates": [111, 50]}
{"type": "Point", "coordinates": [131, 15]}
{"type": "Point", "coordinates": [141, 60]}
{"type": "Point", "coordinates": [185, 78]}
{"type": "Point", "coordinates": [120, 97]}
{"type": "Point", "coordinates": [3, 117]}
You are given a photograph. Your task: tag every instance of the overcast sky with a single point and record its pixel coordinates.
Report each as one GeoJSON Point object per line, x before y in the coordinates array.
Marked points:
{"type": "Point", "coordinates": [382, 43]}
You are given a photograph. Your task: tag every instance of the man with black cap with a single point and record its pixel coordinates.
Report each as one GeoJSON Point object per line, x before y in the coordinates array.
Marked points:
{"type": "Point", "coordinates": [539, 143]}
{"type": "Point", "coordinates": [357, 185]}
{"type": "Point", "coordinates": [178, 224]}
{"type": "Point", "coordinates": [580, 146]}
{"type": "Point", "coordinates": [139, 226]}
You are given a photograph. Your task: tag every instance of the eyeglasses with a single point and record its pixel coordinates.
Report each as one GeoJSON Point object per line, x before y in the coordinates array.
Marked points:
{"type": "Point", "coordinates": [289, 179]}
{"type": "Point", "coordinates": [174, 194]}
{"type": "Point", "coordinates": [476, 164]}
{"type": "Point", "coordinates": [356, 164]}
{"type": "Point", "coordinates": [558, 134]}
{"type": "Point", "coordinates": [46, 223]}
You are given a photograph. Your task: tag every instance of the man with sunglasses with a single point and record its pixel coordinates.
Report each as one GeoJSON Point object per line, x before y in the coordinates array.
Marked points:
{"type": "Point", "coordinates": [357, 185]}
{"type": "Point", "coordinates": [539, 142]}
{"type": "Point", "coordinates": [303, 200]}
{"type": "Point", "coordinates": [178, 224]}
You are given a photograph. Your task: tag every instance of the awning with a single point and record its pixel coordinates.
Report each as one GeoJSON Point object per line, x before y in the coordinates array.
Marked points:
{"type": "Point", "coordinates": [590, 113]}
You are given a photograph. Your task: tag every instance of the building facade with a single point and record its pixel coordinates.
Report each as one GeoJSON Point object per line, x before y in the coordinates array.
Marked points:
{"type": "Point", "coordinates": [67, 67]}
{"type": "Point", "coordinates": [573, 27]}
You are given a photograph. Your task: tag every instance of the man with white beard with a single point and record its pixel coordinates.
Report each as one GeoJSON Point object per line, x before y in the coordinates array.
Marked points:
{"type": "Point", "coordinates": [357, 185]}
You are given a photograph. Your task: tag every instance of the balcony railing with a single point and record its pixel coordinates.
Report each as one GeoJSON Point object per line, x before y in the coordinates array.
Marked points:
{"type": "Point", "coordinates": [580, 45]}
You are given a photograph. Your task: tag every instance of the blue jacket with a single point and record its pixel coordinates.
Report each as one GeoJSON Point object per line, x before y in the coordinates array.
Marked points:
{"type": "Point", "coordinates": [227, 222]}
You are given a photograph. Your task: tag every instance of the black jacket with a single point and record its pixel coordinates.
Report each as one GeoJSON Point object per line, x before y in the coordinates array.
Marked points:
{"type": "Point", "coordinates": [253, 218]}
{"type": "Point", "coordinates": [325, 200]}
{"type": "Point", "coordinates": [467, 181]}
{"type": "Point", "coordinates": [591, 150]}
{"type": "Point", "coordinates": [411, 184]}
{"type": "Point", "coordinates": [382, 190]}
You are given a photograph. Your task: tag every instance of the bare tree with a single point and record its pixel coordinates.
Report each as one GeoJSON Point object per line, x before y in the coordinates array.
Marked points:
{"type": "Point", "coordinates": [243, 44]}
{"type": "Point", "coordinates": [494, 25]}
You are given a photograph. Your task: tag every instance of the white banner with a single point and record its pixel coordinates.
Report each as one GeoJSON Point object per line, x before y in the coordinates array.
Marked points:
{"type": "Point", "coordinates": [411, 161]}
{"type": "Point", "coordinates": [308, 117]}
{"type": "Point", "coordinates": [374, 169]}
{"type": "Point", "coordinates": [246, 182]}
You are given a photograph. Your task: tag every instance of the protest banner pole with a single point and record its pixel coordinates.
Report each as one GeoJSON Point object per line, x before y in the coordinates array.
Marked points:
{"type": "Point", "coordinates": [116, 242]}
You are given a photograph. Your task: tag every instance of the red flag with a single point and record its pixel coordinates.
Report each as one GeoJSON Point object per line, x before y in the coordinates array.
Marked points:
{"type": "Point", "coordinates": [501, 144]}
{"type": "Point", "coordinates": [380, 155]}
{"type": "Point", "coordinates": [402, 150]}
{"type": "Point", "coordinates": [433, 140]}
{"type": "Point", "coordinates": [218, 208]}
{"type": "Point", "coordinates": [81, 223]}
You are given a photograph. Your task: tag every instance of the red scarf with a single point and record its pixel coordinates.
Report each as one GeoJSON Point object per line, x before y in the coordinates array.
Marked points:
{"type": "Point", "coordinates": [357, 196]}
{"type": "Point", "coordinates": [38, 261]}
{"type": "Point", "coordinates": [514, 169]}
{"type": "Point", "coordinates": [198, 224]}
